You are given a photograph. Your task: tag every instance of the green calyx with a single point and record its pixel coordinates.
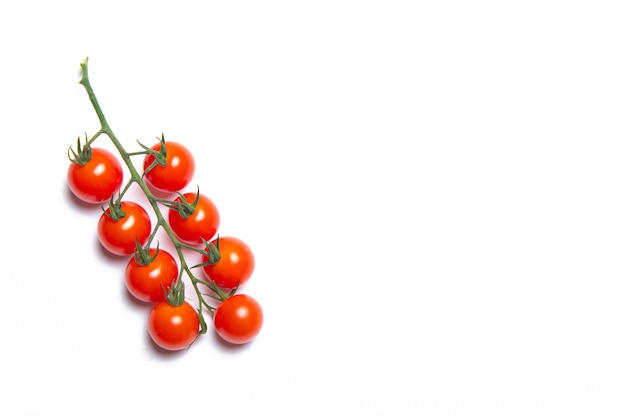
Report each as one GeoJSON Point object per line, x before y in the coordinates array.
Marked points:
{"type": "Point", "coordinates": [182, 206]}
{"type": "Point", "coordinates": [115, 211]}
{"type": "Point", "coordinates": [82, 155]}
{"type": "Point", "coordinates": [142, 255]}
{"type": "Point", "coordinates": [175, 295]}
{"type": "Point", "coordinates": [160, 156]}
{"type": "Point", "coordinates": [212, 252]}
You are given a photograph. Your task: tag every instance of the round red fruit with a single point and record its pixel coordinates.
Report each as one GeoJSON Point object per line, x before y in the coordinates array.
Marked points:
{"type": "Point", "coordinates": [235, 266]}
{"type": "Point", "coordinates": [177, 172]}
{"type": "Point", "coordinates": [238, 319]}
{"type": "Point", "coordinates": [96, 180]}
{"type": "Point", "coordinates": [173, 327]}
{"type": "Point", "coordinates": [201, 224]}
{"type": "Point", "coordinates": [148, 282]}
{"type": "Point", "coordinates": [118, 236]}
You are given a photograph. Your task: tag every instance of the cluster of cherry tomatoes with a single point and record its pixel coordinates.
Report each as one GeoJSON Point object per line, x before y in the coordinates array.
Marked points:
{"type": "Point", "coordinates": [153, 275]}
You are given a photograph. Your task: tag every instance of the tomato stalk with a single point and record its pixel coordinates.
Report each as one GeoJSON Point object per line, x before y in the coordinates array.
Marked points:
{"type": "Point", "coordinates": [137, 178]}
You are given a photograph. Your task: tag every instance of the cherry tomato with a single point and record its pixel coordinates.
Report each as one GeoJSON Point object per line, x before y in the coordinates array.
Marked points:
{"type": "Point", "coordinates": [202, 223]}
{"type": "Point", "coordinates": [173, 327]}
{"type": "Point", "coordinates": [97, 180]}
{"type": "Point", "coordinates": [235, 266]}
{"type": "Point", "coordinates": [238, 319]}
{"type": "Point", "coordinates": [177, 172]}
{"type": "Point", "coordinates": [118, 236]}
{"type": "Point", "coordinates": [146, 282]}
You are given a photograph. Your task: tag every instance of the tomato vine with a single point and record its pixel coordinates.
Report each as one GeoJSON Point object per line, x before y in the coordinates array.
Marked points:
{"type": "Point", "coordinates": [184, 205]}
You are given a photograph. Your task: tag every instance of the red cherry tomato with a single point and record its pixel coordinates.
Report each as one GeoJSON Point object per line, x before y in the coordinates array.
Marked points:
{"type": "Point", "coordinates": [147, 282]}
{"type": "Point", "coordinates": [118, 236]}
{"type": "Point", "coordinates": [235, 266]}
{"type": "Point", "coordinates": [173, 327]}
{"type": "Point", "coordinates": [97, 180]}
{"type": "Point", "coordinates": [202, 223]}
{"type": "Point", "coordinates": [176, 173]}
{"type": "Point", "coordinates": [238, 319]}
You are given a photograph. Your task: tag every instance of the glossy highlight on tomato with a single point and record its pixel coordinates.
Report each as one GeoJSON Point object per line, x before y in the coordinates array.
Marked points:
{"type": "Point", "coordinates": [177, 172]}
{"type": "Point", "coordinates": [149, 282]}
{"type": "Point", "coordinates": [98, 179]}
{"type": "Point", "coordinates": [118, 236]}
{"type": "Point", "coordinates": [238, 319]}
{"type": "Point", "coordinates": [235, 266]}
{"type": "Point", "coordinates": [173, 327]}
{"type": "Point", "coordinates": [202, 223]}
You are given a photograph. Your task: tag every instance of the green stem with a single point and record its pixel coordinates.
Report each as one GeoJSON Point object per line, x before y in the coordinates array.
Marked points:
{"type": "Point", "coordinates": [128, 184]}
{"type": "Point", "coordinates": [136, 177]}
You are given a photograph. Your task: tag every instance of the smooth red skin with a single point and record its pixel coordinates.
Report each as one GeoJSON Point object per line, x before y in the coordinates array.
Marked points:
{"type": "Point", "coordinates": [173, 328]}
{"type": "Point", "coordinates": [147, 282]}
{"type": "Point", "coordinates": [235, 266]}
{"type": "Point", "coordinates": [203, 222]}
{"type": "Point", "coordinates": [118, 237]}
{"type": "Point", "coordinates": [238, 319]}
{"type": "Point", "coordinates": [98, 179]}
{"type": "Point", "coordinates": [177, 172]}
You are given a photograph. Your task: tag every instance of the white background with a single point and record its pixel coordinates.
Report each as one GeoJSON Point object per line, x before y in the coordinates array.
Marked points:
{"type": "Point", "coordinates": [434, 192]}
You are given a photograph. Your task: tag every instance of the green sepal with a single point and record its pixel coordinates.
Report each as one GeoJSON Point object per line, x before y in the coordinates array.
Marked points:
{"type": "Point", "coordinates": [115, 211]}
{"type": "Point", "coordinates": [185, 208]}
{"type": "Point", "coordinates": [142, 255]}
{"type": "Point", "coordinates": [212, 252]}
{"type": "Point", "coordinates": [82, 154]}
{"type": "Point", "coordinates": [160, 156]}
{"type": "Point", "coordinates": [175, 295]}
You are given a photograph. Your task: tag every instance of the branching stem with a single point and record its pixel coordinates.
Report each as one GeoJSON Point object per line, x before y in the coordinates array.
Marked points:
{"type": "Point", "coordinates": [137, 178]}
